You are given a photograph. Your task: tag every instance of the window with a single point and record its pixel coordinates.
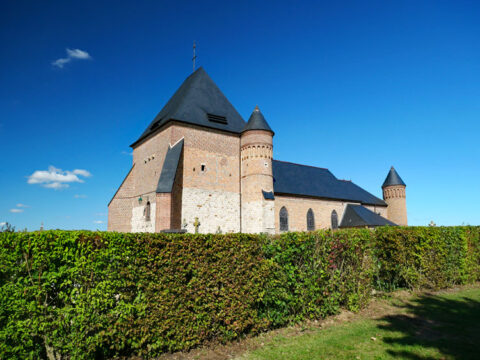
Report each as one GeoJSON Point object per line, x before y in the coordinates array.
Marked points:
{"type": "Point", "coordinates": [334, 220]}
{"type": "Point", "coordinates": [310, 220]}
{"type": "Point", "coordinates": [283, 219]}
{"type": "Point", "coordinates": [203, 167]}
{"type": "Point", "coordinates": [217, 118]}
{"type": "Point", "coordinates": [146, 211]}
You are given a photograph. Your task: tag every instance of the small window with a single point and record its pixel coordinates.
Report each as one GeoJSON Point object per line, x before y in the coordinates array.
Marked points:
{"type": "Point", "coordinates": [334, 220]}
{"type": "Point", "coordinates": [283, 219]}
{"type": "Point", "coordinates": [217, 118]}
{"type": "Point", "coordinates": [146, 211]}
{"type": "Point", "coordinates": [203, 168]}
{"type": "Point", "coordinates": [310, 220]}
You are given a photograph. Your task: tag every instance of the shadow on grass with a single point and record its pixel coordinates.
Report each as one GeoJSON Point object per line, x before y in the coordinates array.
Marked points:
{"type": "Point", "coordinates": [451, 326]}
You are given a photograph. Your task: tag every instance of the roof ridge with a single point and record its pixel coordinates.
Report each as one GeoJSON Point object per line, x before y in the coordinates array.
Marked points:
{"type": "Point", "coordinates": [289, 162]}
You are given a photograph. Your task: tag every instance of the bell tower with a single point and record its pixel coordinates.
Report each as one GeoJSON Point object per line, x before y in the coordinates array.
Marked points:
{"type": "Point", "coordinates": [394, 195]}
{"type": "Point", "coordinates": [257, 196]}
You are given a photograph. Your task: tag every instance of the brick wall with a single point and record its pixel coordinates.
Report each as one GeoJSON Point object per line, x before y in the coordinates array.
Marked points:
{"type": "Point", "coordinates": [256, 175]}
{"type": "Point", "coordinates": [213, 194]}
{"type": "Point", "coordinates": [297, 208]}
{"type": "Point", "coordinates": [120, 208]}
{"type": "Point", "coordinates": [395, 197]}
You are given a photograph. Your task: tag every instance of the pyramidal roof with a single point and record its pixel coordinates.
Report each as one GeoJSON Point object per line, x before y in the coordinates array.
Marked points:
{"type": "Point", "coordinates": [393, 179]}
{"type": "Point", "coordinates": [257, 121]}
{"type": "Point", "coordinates": [198, 101]}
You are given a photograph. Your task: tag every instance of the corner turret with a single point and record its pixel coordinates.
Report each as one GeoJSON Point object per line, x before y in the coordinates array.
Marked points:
{"type": "Point", "coordinates": [256, 152]}
{"type": "Point", "coordinates": [395, 196]}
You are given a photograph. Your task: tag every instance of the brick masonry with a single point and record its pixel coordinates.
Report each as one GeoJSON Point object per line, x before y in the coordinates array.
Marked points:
{"type": "Point", "coordinates": [395, 197]}
{"type": "Point", "coordinates": [322, 210]}
{"type": "Point", "coordinates": [219, 181]}
{"type": "Point", "coordinates": [256, 175]}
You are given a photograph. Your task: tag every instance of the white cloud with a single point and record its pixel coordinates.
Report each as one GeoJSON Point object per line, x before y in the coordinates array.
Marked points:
{"type": "Point", "coordinates": [130, 153]}
{"type": "Point", "coordinates": [22, 206]}
{"type": "Point", "coordinates": [79, 196]}
{"type": "Point", "coordinates": [78, 54]}
{"type": "Point", "coordinates": [101, 214]}
{"type": "Point", "coordinates": [3, 223]}
{"type": "Point", "coordinates": [15, 210]}
{"type": "Point", "coordinates": [71, 54]}
{"type": "Point", "coordinates": [82, 172]}
{"type": "Point", "coordinates": [61, 62]}
{"type": "Point", "coordinates": [98, 222]}
{"type": "Point", "coordinates": [55, 178]}
{"type": "Point", "coordinates": [55, 185]}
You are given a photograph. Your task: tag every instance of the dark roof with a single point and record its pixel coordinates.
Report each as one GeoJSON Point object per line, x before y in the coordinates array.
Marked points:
{"type": "Point", "coordinates": [360, 216]}
{"type": "Point", "coordinates": [268, 195]}
{"type": "Point", "coordinates": [312, 181]}
{"type": "Point", "coordinates": [169, 169]}
{"type": "Point", "coordinates": [393, 179]}
{"type": "Point", "coordinates": [198, 101]}
{"type": "Point", "coordinates": [257, 121]}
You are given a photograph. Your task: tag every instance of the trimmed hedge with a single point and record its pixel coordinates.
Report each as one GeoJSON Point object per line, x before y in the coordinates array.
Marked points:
{"type": "Point", "coordinates": [85, 294]}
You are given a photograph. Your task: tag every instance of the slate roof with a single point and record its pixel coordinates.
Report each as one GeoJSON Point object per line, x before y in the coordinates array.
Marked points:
{"type": "Point", "coordinates": [257, 121]}
{"type": "Point", "coordinates": [192, 103]}
{"type": "Point", "coordinates": [268, 195]}
{"type": "Point", "coordinates": [169, 169]}
{"type": "Point", "coordinates": [393, 179]}
{"type": "Point", "coordinates": [296, 179]}
{"type": "Point", "coordinates": [360, 216]}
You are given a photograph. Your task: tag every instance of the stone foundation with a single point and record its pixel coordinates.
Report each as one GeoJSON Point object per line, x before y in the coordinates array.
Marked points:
{"type": "Point", "coordinates": [215, 210]}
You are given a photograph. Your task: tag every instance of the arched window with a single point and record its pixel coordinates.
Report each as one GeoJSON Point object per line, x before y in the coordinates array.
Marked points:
{"type": "Point", "coordinates": [334, 220]}
{"type": "Point", "coordinates": [310, 220]}
{"type": "Point", "coordinates": [146, 211]}
{"type": "Point", "coordinates": [283, 219]}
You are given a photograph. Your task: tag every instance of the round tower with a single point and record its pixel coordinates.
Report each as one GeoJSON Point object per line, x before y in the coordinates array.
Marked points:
{"type": "Point", "coordinates": [256, 150]}
{"type": "Point", "coordinates": [394, 195]}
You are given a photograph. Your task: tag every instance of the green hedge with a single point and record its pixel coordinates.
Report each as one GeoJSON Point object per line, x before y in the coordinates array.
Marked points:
{"type": "Point", "coordinates": [101, 295]}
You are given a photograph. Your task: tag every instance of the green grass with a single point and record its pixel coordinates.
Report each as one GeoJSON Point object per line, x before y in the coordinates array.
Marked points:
{"type": "Point", "coordinates": [442, 326]}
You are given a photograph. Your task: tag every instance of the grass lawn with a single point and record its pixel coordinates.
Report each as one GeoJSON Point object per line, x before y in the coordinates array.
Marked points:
{"type": "Point", "coordinates": [444, 325]}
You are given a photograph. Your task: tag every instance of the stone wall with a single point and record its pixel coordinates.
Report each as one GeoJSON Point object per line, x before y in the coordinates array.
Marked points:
{"type": "Point", "coordinates": [139, 223]}
{"type": "Point", "coordinates": [215, 210]}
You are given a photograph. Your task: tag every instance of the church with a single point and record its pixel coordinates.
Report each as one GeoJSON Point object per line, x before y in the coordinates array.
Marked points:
{"type": "Point", "coordinates": [199, 167]}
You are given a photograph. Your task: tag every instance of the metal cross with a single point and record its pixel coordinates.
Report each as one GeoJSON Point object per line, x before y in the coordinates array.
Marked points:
{"type": "Point", "coordinates": [194, 56]}
{"type": "Point", "coordinates": [196, 224]}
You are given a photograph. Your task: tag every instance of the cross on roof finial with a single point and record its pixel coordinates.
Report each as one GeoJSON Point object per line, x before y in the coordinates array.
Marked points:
{"type": "Point", "coordinates": [194, 56]}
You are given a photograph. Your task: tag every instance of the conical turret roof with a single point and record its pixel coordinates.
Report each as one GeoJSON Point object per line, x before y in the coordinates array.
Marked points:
{"type": "Point", "coordinates": [393, 179]}
{"type": "Point", "coordinates": [257, 121]}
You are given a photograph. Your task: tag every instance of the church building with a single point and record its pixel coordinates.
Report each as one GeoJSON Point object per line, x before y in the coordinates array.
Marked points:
{"type": "Point", "coordinates": [199, 167]}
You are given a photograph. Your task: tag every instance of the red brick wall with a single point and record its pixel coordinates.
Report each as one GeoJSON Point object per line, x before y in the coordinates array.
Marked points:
{"type": "Point", "coordinates": [120, 208]}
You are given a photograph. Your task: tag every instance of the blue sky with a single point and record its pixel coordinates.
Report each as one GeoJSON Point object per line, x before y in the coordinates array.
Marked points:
{"type": "Point", "coordinates": [352, 86]}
